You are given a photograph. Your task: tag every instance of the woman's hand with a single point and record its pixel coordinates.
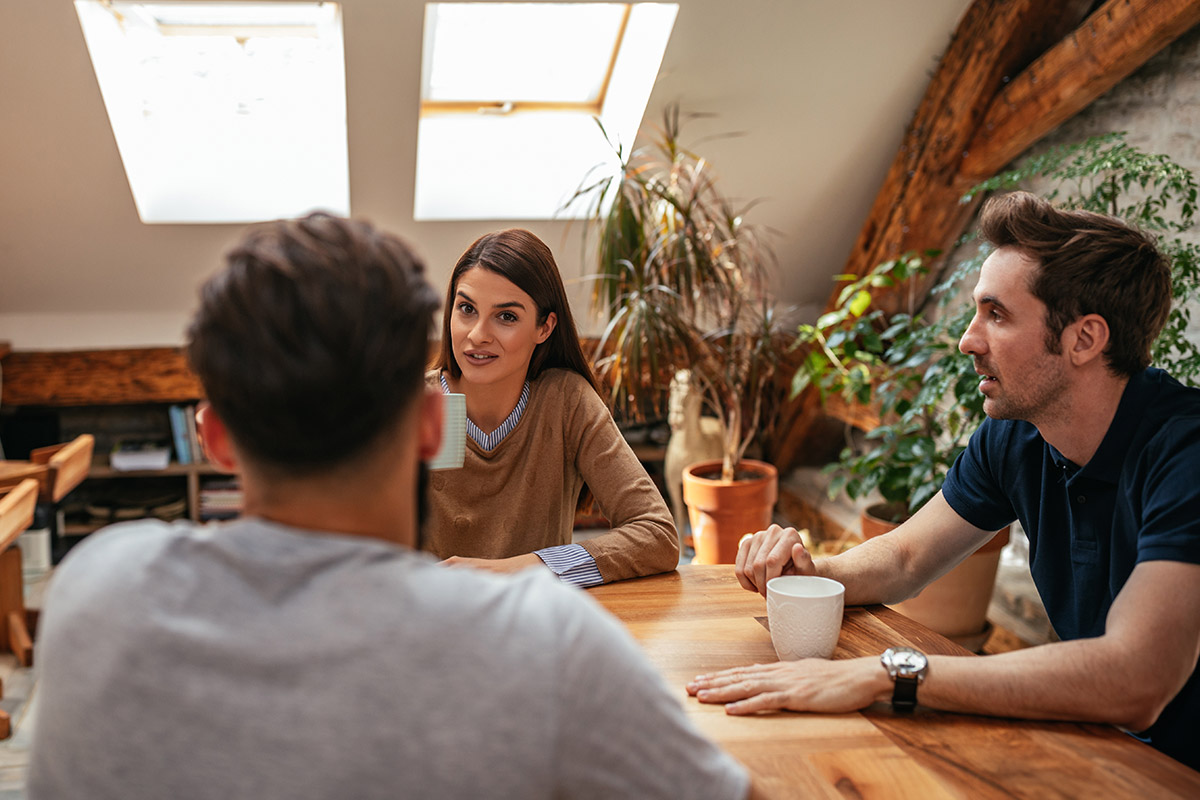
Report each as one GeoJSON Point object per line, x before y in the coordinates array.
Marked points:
{"type": "Point", "coordinates": [769, 554]}
{"type": "Point", "coordinates": [811, 684]}
{"type": "Point", "coordinates": [511, 564]}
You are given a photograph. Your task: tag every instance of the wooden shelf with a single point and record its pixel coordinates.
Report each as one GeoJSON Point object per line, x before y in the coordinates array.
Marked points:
{"type": "Point", "coordinates": [189, 473]}
{"type": "Point", "coordinates": [103, 470]}
{"type": "Point", "coordinates": [99, 377]}
{"type": "Point", "coordinates": [82, 529]}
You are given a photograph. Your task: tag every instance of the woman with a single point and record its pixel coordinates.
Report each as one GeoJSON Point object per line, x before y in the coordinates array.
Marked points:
{"type": "Point", "coordinates": [537, 431]}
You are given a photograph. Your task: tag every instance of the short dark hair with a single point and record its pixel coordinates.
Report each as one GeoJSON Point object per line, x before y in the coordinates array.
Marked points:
{"type": "Point", "coordinates": [1088, 264]}
{"type": "Point", "coordinates": [524, 259]}
{"type": "Point", "coordinates": [312, 341]}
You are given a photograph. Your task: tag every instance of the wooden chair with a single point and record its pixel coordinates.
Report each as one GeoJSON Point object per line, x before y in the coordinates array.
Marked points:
{"type": "Point", "coordinates": [53, 472]}
{"type": "Point", "coordinates": [57, 469]}
{"type": "Point", "coordinates": [16, 512]}
{"type": "Point", "coordinates": [49, 475]}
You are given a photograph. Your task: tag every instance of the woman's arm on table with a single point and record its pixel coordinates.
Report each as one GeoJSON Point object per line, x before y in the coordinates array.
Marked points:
{"type": "Point", "coordinates": [642, 540]}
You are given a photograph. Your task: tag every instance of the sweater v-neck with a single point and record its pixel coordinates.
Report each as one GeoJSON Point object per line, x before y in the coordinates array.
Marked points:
{"type": "Point", "coordinates": [488, 442]}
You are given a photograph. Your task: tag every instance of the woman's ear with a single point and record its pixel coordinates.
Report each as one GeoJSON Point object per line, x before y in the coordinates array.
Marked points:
{"type": "Point", "coordinates": [214, 439]}
{"type": "Point", "coordinates": [547, 327]}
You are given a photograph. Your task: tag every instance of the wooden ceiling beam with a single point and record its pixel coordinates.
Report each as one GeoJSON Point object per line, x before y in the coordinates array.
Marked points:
{"type": "Point", "coordinates": [917, 208]}
{"type": "Point", "coordinates": [1108, 47]}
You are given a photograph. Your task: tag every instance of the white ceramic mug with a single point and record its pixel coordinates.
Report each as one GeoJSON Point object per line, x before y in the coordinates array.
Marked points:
{"type": "Point", "coordinates": [453, 448]}
{"type": "Point", "coordinates": [805, 615]}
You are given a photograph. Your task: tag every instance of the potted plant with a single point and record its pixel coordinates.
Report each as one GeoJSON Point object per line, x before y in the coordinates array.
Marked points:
{"type": "Point", "coordinates": [681, 284]}
{"type": "Point", "coordinates": [906, 367]}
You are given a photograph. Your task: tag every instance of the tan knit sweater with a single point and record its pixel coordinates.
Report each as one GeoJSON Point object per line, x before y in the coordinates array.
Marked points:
{"type": "Point", "coordinates": [521, 496]}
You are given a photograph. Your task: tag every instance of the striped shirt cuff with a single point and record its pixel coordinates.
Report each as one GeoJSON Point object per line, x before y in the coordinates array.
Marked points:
{"type": "Point", "coordinates": [572, 564]}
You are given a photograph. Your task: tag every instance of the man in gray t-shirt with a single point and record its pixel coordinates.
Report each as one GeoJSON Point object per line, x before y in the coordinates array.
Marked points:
{"type": "Point", "coordinates": [306, 651]}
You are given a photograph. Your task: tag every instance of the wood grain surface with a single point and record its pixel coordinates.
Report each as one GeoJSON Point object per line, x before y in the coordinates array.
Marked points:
{"type": "Point", "coordinates": [699, 619]}
{"type": "Point", "coordinates": [99, 377]}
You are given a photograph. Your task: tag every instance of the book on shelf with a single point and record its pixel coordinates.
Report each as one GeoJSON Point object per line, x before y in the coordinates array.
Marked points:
{"type": "Point", "coordinates": [189, 413]}
{"type": "Point", "coordinates": [179, 433]}
{"type": "Point", "coordinates": [220, 499]}
{"type": "Point", "coordinates": [128, 455]}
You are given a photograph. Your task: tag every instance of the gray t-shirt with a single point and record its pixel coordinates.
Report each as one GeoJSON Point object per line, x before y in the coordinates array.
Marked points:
{"type": "Point", "coordinates": [254, 660]}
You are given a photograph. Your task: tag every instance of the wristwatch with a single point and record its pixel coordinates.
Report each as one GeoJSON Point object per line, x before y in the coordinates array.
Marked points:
{"type": "Point", "coordinates": [907, 667]}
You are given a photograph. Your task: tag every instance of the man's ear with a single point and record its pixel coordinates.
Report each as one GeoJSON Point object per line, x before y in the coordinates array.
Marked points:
{"type": "Point", "coordinates": [214, 438]}
{"type": "Point", "coordinates": [429, 426]}
{"type": "Point", "coordinates": [1086, 338]}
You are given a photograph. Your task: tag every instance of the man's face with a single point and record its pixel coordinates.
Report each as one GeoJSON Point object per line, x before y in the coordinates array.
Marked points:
{"type": "Point", "coordinates": [1007, 339]}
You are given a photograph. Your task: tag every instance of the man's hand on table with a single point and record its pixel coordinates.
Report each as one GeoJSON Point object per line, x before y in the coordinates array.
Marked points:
{"type": "Point", "coordinates": [512, 564]}
{"type": "Point", "coordinates": [769, 554]}
{"type": "Point", "coordinates": [811, 684]}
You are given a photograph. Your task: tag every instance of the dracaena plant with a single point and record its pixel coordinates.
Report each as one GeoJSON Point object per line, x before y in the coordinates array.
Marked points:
{"type": "Point", "coordinates": [681, 284]}
{"type": "Point", "coordinates": [906, 367]}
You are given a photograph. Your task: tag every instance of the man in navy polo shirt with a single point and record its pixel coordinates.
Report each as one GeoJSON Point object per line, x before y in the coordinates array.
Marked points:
{"type": "Point", "coordinates": [1093, 451]}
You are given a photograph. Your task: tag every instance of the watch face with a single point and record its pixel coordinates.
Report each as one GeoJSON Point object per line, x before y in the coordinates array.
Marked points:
{"type": "Point", "coordinates": [906, 661]}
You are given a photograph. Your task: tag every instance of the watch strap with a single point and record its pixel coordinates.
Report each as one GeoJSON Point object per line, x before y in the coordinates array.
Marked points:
{"type": "Point", "coordinates": [904, 694]}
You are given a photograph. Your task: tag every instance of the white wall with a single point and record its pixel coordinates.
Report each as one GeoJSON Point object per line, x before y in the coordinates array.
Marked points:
{"type": "Point", "coordinates": [822, 89]}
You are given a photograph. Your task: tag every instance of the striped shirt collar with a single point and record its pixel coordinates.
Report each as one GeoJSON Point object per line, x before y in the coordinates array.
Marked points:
{"type": "Point", "coordinates": [490, 441]}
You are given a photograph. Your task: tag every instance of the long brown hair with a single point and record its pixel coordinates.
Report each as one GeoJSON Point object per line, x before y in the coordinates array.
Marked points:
{"type": "Point", "coordinates": [524, 259]}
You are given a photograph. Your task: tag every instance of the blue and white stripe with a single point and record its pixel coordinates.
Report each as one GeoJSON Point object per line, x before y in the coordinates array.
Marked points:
{"type": "Point", "coordinates": [572, 564]}
{"type": "Point", "coordinates": [490, 441]}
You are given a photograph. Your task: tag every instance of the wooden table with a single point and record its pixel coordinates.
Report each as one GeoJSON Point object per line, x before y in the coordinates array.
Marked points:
{"type": "Point", "coordinates": [699, 619]}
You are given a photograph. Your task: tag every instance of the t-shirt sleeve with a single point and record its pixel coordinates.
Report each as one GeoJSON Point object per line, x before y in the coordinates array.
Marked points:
{"type": "Point", "coordinates": [974, 486]}
{"type": "Point", "coordinates": [622, 732]}
{"type": "Point", "coordinates": [1170, 529]}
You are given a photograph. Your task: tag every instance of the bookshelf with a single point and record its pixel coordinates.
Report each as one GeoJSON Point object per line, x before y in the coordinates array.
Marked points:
{"type": "Point", "coordinates": [49, 397]}
{"type": "Point", "coordinates": [190, 475]}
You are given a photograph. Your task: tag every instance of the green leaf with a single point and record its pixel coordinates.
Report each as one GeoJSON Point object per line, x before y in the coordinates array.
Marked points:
{"type": "Point", "coordinates": [860, 303]}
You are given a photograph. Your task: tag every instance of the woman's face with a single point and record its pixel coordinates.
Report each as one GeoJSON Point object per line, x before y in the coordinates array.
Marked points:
{"type": "Point", "coordinates": [494, 328]}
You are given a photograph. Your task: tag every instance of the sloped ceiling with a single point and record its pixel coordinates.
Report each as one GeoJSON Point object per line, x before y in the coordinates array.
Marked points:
{"type": "Point", "coordinates": [820, 89]}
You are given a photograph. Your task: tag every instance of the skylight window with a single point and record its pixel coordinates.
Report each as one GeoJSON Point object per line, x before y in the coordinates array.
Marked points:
{"type": "Point", "coordinates": [528, 53]}
{"type": "Point", "coordinates": [224, 112]}
{"type": "Point", "coordinates": [508, 96]}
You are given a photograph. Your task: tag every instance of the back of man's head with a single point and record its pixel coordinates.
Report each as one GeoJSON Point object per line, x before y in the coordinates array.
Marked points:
{"type": "Point", "coordinates": [1088, 264]}
{"type": "Point", "coordinates": [312, 341]}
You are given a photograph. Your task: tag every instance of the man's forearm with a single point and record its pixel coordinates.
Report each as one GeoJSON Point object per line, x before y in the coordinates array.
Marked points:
{"type": "Point", "coordinates": [872, 572]}
{"type": "Point", "coordinates": [896, 566]}
{"type": "Point", "coordinates": [1059, 681]}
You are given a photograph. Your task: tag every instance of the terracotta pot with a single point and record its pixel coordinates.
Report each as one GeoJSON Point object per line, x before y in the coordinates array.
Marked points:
{"type": "Point", "coordinates": [956, 604]}
{"type": "Point", "coordinates": [722, 513]}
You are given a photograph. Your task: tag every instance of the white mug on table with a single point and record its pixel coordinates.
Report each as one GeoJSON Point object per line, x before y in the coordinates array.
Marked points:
{"type": "Point", "coordinates": [804, 613]}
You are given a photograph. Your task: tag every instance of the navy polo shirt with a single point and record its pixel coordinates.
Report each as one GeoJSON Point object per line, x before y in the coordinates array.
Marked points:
{"type": "Point", "coordinates": [1137, 499]}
